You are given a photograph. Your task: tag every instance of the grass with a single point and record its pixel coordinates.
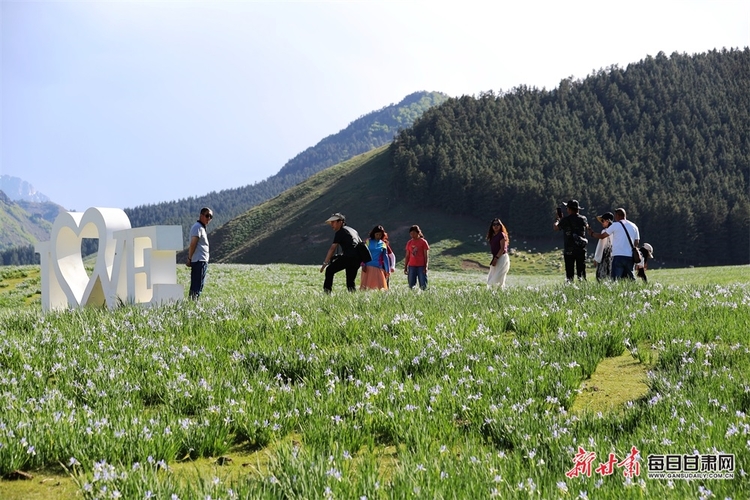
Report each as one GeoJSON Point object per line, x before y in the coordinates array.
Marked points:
{"type": "Point", "coordinates": [19, 286]}
{"type": "Point", "coordinates": [458, 391]}
{"type": "Point", "coordinates": [616, 381]}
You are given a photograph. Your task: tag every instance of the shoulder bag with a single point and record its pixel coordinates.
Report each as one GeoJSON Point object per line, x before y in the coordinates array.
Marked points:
{"type": "Point", "coordinates": [636, 253]}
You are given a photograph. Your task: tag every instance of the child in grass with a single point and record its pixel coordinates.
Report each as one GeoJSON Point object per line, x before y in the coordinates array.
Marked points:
{"type": "Point", "coordinates": [417, 258]}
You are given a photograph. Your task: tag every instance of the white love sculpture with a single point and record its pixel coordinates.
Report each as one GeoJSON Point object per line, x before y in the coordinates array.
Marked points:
{"type": "Point", "coordinates": [132, 265]}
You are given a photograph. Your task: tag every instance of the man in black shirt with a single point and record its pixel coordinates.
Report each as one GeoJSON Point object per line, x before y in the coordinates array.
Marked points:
{"type": "Point", "coordinates": [345, 239]}
{"type": "Point", "coordinates": [573, 227]}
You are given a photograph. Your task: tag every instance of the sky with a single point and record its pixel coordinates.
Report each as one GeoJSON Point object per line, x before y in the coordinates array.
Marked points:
{"type": "Point", "coordinates": [127, 103]}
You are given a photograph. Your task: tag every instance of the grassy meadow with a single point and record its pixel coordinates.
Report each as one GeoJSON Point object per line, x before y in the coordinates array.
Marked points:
{"type": "Point", "coordinates": [268, 388]}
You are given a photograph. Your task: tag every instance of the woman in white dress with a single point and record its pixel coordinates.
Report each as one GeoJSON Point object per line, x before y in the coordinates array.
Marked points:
{"type": "Point", "coordinates": [497, 235]}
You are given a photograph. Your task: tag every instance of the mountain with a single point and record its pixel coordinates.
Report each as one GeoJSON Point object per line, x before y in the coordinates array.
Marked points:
{"type": "Point", "coordinates": [668, 138]}
{"type": "Point", "coordinates": [365, 133]}
{"type": "Point", "coordinates": [19, 190]}
{"type": "Point", "coordinates": [24, 223]}
{"type": "Point", "coordinates": [26, 217]}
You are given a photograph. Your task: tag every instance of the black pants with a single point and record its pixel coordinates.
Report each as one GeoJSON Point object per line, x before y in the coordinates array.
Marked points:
{"type": "Point", "coordinates": [577, 259]}
{"type": "Point", "coordinates": [197, 278]}
{"type": "Point", "coordinates": [351, 264]}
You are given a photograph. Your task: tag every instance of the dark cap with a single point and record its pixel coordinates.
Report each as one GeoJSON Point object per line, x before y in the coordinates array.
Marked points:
{"type": "Point", "coordinates": [605, 216]}
{"type": "Point", "coordinates": [572, 204]}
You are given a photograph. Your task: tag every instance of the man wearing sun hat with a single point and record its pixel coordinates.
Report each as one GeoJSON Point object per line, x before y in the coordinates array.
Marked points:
{"type": "Point", "coordinates": [574, 242]}
{"type": "Point", "coordinates": [342, 255]}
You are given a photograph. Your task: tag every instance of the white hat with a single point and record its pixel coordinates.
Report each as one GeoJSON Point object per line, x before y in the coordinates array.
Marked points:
{"type": "Point", "coordinates": [650, 249]}
{"type": "Point", "coordinates": [335, 217]}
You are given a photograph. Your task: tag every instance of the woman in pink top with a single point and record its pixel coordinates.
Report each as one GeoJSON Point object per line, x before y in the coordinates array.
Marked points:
{"type": "Point", "coordinates": [417, 258]}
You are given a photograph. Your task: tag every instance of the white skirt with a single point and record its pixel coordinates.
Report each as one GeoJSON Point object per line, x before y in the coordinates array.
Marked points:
{"type": "Point", "coordinates": [498, 272]}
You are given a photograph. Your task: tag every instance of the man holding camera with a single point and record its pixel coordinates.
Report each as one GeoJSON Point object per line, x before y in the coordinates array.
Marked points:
{"type": "Point", "coordinates": [574, 227]}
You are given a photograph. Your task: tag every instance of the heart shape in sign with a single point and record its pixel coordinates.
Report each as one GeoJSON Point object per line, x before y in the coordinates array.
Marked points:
{"type": "Point", "coordinates": [68, 231]}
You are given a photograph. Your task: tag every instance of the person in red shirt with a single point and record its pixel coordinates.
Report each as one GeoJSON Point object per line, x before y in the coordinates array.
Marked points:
{"type": "Point", "coordinates": [417, 258]}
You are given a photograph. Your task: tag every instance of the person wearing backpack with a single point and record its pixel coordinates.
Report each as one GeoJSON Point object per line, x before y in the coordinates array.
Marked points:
{"type": "Point", "coordinates": [343, 254]}
{"type": "Point", "coordinates": [574, 227]}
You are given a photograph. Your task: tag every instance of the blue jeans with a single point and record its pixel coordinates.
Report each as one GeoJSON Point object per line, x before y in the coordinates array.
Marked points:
{"type": "Point", "coordinates": [622, 267]}
{"type": "Point", "coordinates": [197, 278]}
{"type": "Point", "coordinates": [418, 273]}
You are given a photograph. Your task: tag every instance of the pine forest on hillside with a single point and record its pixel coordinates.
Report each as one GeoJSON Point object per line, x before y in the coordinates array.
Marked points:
{"type": "Point", "coordinates": [668, 138]}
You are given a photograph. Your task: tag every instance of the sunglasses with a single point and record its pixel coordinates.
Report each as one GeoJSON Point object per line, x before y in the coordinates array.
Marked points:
{"type": "Point", "coordinates": [208, 216]}
{"type": "Point", "coordinates": [496, 224]}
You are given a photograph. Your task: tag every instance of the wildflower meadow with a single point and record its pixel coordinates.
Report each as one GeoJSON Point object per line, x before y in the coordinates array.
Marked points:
{"type": "Point", "coordinates": [268, 388]}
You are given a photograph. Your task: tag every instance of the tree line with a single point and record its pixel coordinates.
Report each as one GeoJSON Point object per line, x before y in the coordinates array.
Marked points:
{"type": "Point", "coordinates": [667, 138]}
{"type": "Point", "coordinates": [19, 256]}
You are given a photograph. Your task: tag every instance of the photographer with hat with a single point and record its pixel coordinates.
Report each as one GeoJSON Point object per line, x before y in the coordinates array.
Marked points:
{"type": "Point", "coordinates": [574, 227]}
{"type": "Point", "coordinates": [346, 238]}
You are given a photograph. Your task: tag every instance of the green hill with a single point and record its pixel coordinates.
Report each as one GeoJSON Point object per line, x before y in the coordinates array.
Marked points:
{"type": "Point", "coordinates": [25, 223]}
{"type": "Point", "coordinates": [668, 138]}
{"type": "Point", "coordinates": [290, 227]}
{"type": "Point", "coordinates": [363, 134]}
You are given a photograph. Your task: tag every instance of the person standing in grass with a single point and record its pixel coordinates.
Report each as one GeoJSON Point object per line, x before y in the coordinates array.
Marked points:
{"type": "Point", "coordinates": [197, 259]}
{"type": "Point", "coordinates": [375, 273]}
{"type": "Point", "coordinates": [391, 258]}
{"type": "Point", "coordinates": [625, 236]}
{"type": "Point", "coordinates": [603, 253]}
{"type": "Point", "coordinates": [497, 235]}
{"type": "Point", "coordinates": [417, 258]}
{"type": "Point", "coordinates": [345, 239]}
{"type": "Point", "coordinates": [647, 253]}
{"type": "Point", "coordinates": [574, 227]}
